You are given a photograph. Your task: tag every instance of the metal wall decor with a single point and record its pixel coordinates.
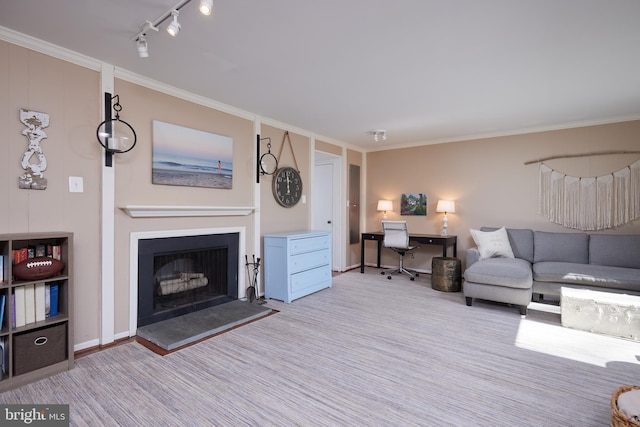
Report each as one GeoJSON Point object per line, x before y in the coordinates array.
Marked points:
{"type": "Point", "coordinates": [267, 162]}
{"type": "Point", "coordinates": [115, 135]}
{"type": "Point", "coordinates": [33, 161]}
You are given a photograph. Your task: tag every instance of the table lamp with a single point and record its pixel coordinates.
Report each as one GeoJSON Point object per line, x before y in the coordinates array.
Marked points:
{"type": "Point", "coordinates": [384, 206]}
{"type": "Point", "coordinates": [446, 206]}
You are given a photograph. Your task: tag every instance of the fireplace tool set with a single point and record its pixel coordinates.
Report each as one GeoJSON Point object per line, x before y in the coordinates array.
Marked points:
{"type": "Point", "coordinates": [252, 290]}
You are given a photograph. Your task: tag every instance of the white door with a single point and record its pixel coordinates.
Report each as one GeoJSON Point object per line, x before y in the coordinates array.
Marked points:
{"type": "Point", "coordinates": [323, 198]}
{"type": "Point", "coordinates": [326, 202]}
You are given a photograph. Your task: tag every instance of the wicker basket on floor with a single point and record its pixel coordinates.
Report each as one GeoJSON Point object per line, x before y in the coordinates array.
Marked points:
{"type": "Point", "coordinates": [618, 419]}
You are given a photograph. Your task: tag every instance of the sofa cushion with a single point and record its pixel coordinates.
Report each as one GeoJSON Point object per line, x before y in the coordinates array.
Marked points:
{"type": "Point", "coordinates": [521, 240]}
{"type": "Point", "coordinates": [561, 247]}
{"type": "Point", "coordinates": [587, 274]}
{"type": "Point", "coordinates": [507, 272]}
{"type": "Point", "coordinates": [615, 250]}
{"type": "Point", "coordinates": [492, 244]}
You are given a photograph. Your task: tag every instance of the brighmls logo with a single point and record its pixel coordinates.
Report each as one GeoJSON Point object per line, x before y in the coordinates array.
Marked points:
{"type": "Point", "coordinates": [34, 415]}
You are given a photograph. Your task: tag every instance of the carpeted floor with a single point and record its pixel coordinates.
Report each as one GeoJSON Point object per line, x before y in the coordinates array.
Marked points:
{"type": "Point", "coordinates": [366, 352]}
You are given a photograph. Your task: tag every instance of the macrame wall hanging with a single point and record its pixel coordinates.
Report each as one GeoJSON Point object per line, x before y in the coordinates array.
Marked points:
{"type": "Point", "coordinates": [592, 203]}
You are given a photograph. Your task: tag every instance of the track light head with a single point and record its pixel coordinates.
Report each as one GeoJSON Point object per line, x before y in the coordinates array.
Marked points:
{"type": "Point", "coordinates": [206, 7]}
{"type": "Point", "coordinates": [174, 27]}
{"type": "Point", "coordinates": [143, 50]}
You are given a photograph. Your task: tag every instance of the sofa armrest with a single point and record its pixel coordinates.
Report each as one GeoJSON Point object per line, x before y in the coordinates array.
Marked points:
{"type": "Point", "coordinates": [473, 255]}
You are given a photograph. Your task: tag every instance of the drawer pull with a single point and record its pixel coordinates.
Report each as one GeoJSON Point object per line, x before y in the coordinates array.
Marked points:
{"type": "Point", "coordinates": [40, 340]}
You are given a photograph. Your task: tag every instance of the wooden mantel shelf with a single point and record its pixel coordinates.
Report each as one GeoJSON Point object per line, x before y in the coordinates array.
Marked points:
{"type": "Point", "coordinates": [139, 211]}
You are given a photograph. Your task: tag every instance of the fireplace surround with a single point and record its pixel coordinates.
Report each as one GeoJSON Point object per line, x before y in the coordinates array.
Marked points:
{"type": "Point", "coordinates": [180, 275]}
{"type": "Point", "coordinates": [181, 249]}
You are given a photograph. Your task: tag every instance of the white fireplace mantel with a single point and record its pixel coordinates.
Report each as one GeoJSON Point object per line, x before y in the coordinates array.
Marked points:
{"type": "Point", "coordinates": [150, 211]}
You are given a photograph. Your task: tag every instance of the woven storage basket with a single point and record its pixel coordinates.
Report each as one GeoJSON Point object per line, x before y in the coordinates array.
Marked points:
{"type": "Point", "coordinates": [618, 419]}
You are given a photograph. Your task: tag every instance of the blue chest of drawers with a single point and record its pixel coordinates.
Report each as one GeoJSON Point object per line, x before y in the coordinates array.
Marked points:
{"type": "Point", "coordinates": [296, 264]}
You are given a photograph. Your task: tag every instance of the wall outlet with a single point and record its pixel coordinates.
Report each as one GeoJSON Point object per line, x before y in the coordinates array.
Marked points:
{"type": "Point", "coordinates": [76, 184]}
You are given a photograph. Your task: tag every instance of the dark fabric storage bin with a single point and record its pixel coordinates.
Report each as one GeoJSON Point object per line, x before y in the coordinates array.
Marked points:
{"type": "Point", "coordinates": [39, 348]}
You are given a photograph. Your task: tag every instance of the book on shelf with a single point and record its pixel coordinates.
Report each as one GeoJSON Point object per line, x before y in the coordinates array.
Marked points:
{"type": "Point", "coordinates": [57, 252]}
{"type": "Point", "coordinates": [40, 302]}
{"type": "Point", "coordinates": [47, 300]}
{"type": "Point", "coordinates": [29, 303]}
{"type": "Point", "coordinates": [19, 295]}
{"type": "Point", "coordinates": [53, 300]}
{"type": "Point", "coordinates": [13, 311]}
{"type": "Point", "coordinates": [3, 298]}
{"type": "Point", "coordinates": [3, 366]}
{"type": "Point", "coordinates": [41, 250]}
{"type": "Point", "coordinates": [1, 268]}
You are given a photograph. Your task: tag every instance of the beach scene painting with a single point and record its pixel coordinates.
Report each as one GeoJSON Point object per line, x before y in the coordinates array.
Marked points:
{"type": "Point", "coordinates": [190, 157]}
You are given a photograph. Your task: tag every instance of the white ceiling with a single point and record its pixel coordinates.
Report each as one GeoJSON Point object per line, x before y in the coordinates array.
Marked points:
{"type": "Point", "coordinates": [425, 70]}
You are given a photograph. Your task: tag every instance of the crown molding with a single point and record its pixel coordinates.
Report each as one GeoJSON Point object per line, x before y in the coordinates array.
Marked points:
{"type": "Point", "coordinates": [50, 49]}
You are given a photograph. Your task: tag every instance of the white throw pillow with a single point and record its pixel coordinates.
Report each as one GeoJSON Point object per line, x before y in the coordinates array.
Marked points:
{"type": "Point", "coordinates": [493, 244]}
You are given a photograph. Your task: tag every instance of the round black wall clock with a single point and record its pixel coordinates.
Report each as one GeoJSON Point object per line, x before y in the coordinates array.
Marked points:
{"type": "Point", "coordinates": [287, 186]}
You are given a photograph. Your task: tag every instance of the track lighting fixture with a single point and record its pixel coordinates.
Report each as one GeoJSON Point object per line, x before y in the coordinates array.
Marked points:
{"type": "Point", "coordinates": [174, 27]}
{"type": "Point", "coordinates": [206, 7]}
{"type": "Point", "coordinates": [143, 50]}
{"type": "Point", "coordinates": [379, 134]}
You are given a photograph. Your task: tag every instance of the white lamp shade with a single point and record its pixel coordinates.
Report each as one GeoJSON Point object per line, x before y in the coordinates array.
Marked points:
{"type": "Point", "coordinates": [447, 206]}
{"type": "Point", "coordinates": [385, 205]}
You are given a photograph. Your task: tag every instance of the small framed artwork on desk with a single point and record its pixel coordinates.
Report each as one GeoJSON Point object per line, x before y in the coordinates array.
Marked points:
{"type": "Point", "coordinates": [413, 204]}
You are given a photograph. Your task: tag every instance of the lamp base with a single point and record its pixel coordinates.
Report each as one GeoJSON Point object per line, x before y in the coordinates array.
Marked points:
{"type": "Point", "coordinates": [445, 224]}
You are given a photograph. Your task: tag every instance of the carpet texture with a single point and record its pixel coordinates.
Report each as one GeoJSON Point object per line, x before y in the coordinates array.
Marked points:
{"type": "Point", "coordinates": [366, 352]}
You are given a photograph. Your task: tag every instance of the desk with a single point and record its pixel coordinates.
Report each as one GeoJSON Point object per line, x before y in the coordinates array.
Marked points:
{"type": "Point", "coordinates": [425, 239]}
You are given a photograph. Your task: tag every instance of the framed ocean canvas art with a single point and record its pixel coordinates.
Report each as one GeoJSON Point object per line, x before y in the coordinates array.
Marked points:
{"type": "Point", "coordinates": [190, 157]}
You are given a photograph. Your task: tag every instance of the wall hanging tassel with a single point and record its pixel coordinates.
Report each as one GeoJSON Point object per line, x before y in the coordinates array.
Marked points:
{"type": "Point", "coordinates": [603, 202]}
{"type": "Point", "coordinates": [571, 201]}
{"type": "Point", "coordinates": [634, 190]}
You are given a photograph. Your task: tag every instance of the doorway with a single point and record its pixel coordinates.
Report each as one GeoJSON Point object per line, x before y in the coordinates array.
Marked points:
{"type": "Point", "coordinates": [325, 203]}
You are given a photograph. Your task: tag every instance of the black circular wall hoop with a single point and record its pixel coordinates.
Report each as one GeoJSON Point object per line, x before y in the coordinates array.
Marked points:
{"type": "Point", "coordinates": [268, 162]}
{"type": "Point", "coordinates": [115, 135]}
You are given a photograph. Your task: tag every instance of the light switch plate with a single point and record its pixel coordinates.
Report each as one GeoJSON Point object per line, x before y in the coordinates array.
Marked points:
{"type": "Point", "coordinates": [76, 184]}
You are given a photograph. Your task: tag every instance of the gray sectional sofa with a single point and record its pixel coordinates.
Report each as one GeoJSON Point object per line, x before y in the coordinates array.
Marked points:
{"type": "Point", "coordinates": [545, 262]}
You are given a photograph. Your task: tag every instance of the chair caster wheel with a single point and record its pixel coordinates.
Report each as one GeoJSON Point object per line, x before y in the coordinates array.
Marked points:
{"type": "Point", "coordinates": [389, 277]}
{"type": "Point", "coordinates": [412, 279]}
{"type": "Point", "coordinates": [382, 272]}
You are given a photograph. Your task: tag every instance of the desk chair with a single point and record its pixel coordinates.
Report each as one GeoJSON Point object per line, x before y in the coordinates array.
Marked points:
{"type": "Point", "coordinates": [396, 238]}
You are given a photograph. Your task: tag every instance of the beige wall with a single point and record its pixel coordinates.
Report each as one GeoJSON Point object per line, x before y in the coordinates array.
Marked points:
{"type": "Point", "coordinates": [488, 180]}
{"type": "Point", "coordinates": [326, 147]}
{"type": "Point", "coordinates": [70, 96]}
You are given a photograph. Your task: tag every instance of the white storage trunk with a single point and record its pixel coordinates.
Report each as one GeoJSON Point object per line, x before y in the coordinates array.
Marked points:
{"type": "Point", "coordinates": [612, 314]}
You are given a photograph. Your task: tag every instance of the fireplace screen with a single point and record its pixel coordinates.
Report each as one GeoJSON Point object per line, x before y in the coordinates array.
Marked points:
{"type": "Point", "coordinates": [177, 276]}
{"type": "Point", "coordinates": [188, 278]}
